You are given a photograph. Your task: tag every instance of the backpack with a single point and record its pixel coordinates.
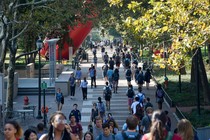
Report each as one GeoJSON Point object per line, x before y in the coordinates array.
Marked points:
{"type": "Point", "coordinates": [130, 93]}
{"type": "Point", "coordinates": [131, 136]}
{"type": "Point", "coordinates": [115, 76]}
{"type": "Point", "coordinates": [101, 107]}
{"type": "Point", "coordinates": [117, 58]}
{"type": "Point", "coordinates": [127, 62]}
{"type": "Point", "coordinates": [107, 92]}
{"type": "Point", "coordinates": [139, 111]}
{"type": "Point", "coordinates": [128, 73]}
{"type": "Point", "coordinates": [92, 72]}
{"type": "Point", "coordinates": [141, 98]}
{"type": "Point", "coordinates": [140, 78]}
{"type": "Point", "coordinates": [160, 93]}
{"type": "Point", "coordinates": [100, 137]}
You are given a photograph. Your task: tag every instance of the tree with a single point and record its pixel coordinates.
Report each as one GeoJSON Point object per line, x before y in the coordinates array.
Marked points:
{"type": "Point", "coordinates": [19, 16]}
{"type": "Point", "coordinates": [184, 23]}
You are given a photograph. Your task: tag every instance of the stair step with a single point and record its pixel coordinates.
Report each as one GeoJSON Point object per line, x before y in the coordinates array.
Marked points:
{"type": "Point", "coordinates": [35, 91]}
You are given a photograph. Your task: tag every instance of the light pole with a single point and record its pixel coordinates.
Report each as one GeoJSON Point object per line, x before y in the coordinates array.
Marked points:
{"type": "Point", "coordinates": [39, 44]}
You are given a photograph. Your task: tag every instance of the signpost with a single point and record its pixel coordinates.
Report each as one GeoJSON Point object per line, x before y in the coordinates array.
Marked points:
{"type": "Point", "coordinates": [44, 87]}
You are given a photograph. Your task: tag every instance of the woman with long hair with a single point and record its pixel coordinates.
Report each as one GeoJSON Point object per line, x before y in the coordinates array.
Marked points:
{"type": "Point", "coordinates": [58, 129]}
{"type": "Point", "coordinates": [12, 131]}
{"type": "Point", "coordinates": [158, 130]}
{"type": "Point", "coordinates": [185, 129]}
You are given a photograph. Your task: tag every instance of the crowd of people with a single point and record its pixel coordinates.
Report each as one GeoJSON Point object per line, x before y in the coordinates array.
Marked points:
{"type": "Point", "coordinates": [143, 121]}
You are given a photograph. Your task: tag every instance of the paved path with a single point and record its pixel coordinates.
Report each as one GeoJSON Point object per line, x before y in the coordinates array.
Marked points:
{"type": "Point", "coordinates": [118, 102]}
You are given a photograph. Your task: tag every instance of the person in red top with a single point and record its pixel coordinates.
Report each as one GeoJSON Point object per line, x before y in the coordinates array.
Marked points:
{"type": "Point", "coordinates": [158, 130]}
{"type": "Point", "coordinates": [75, 127]}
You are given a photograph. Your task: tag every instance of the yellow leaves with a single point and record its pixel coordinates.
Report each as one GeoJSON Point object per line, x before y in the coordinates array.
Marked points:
{"type": "Point", "coordinates": [165, 28]}
{"type": "Point", "coordinates": [115, 2]}
{"type": "Point", "coordinates": [134, 5]}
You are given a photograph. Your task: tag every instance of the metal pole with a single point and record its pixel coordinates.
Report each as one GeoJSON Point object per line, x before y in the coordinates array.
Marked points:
{"type": "Point", "coordinates": [180, 83]}
{"type": "Point", "coordinates": [39, 86]}
{"type": "Point", "coordinates": [197, 83]}
{"type": "Point", "coordinates": [45, 123]}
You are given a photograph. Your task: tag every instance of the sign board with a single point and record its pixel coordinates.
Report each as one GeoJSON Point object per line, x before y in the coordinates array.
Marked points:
{"type": "Point", "coordinates": [1, 88]}
{"type": "Point", "coordinates": [44, 85]}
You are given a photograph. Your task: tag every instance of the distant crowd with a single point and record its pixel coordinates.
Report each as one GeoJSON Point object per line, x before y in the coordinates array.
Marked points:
{"type": "Point", "coordinates": [143, 121]}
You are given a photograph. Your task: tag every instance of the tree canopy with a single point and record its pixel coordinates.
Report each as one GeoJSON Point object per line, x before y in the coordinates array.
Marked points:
{"type": "Point", "coordinates": [185, 24]}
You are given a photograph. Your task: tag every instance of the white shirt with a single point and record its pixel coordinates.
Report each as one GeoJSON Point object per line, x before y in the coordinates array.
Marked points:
{"type": "Point", "coordinates": [84, 84]}
{"type": "Point", "coordinates": [133, 106]}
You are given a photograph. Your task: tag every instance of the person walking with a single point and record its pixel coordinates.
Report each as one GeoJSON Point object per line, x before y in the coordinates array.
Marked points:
{"type": "Point", "coordinates": [94, 113]}
{"type": "Point", "coordinates": [92, 72]}
{"type": "Point", "coordinates": [104, 71]}
{"type": "Point", "coordinates": [146, 121]}
{"type": "Point", "coordinates": [115, 78]}
{"type": "Point", "coordinates": [72, 81]}
{"type": "Point", "coordinates": [158, 130]}
{"type": "Point", "coordinates": [130, 94]}
{"type": "Point", "coordinates": [101, 108]}
{"type": "Point", "coordinates": [185, 130]}
{"type": "Point", "coordinates": [12, 131]}
{"type": "Point", "coordinates": [83, 85]}
{"type": "Point", "coordinates": [107, 95]}
{"type": "Point", "coordinates": [111, 63]}
{"type": "Point", "coordinates": [97, 129]}
{"type": "Point", "coordinates": [109, 76]}
{"type": "Point", "coordinates": [147, 77]}
{"type": "Point", "coordinates": [128, 75]}
{"type": "Point", "coordinates": [130, 133]}
{"type": "Point", "coordinates": [159, 94]}
{"type": "Point", "coordinates": [76, 128]}
{"type": "Point", "coordinates": [95, 61]}
{"type": "Point", "coordinates": [58, 129]}
{"type": "Point", "coordinates": [75, 112]}
{"type": "Point", "coordinates": [59, 99]}
{"type": "Point", "coordinates": [78, 76]}
{"type": "Point", "coordinates": [106, 134]}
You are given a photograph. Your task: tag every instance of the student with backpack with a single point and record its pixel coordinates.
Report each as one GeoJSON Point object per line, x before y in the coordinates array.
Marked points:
{"type": "Point", "coordinates": [137, 108]}
{"type": "Point", "coordinates": [101, 108]}
{"type": "Point", "coordinates": [128, 75]}
{"type": "Point", "coordinates": [107, 95]}
{"type": "Point", "coordinates": [130, 94]}
{"type": "Point", "coordinates": [140, 78]}
{"type": "Point", "coordinates": [115, 77]}
{"type": "Point", "coordinates": [118, 60]}
{"type": "Point", "coordinates": [141, 95]}
{"type": "Point", "coordinates": [130, 133]}
{"type": "Point", "coordinates": [159, 96]}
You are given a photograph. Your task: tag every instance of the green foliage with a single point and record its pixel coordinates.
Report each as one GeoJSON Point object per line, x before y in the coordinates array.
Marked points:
{"type": "Point", "coordinates": [199, 120]}
{"type": "Point", "coordinates": [184, 23]}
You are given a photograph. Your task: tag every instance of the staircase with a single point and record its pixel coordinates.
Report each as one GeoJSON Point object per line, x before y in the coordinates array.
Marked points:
{"type": "Point", "coordinates": [35, 91]}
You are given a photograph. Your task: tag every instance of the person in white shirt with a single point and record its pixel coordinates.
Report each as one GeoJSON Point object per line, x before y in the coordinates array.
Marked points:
{"type": "Point", "coordinates": [83, 85]}
{"type": "Point", "coordinates": [134, 104]}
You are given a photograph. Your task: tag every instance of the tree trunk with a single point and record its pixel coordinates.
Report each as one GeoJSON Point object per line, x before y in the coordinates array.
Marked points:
{"type": "Point", "coordinates": [3, 41]}
{"type": "Point", "coordinates": [208, 53]}
{"type": "Point", "coordinates": [203, 77]}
